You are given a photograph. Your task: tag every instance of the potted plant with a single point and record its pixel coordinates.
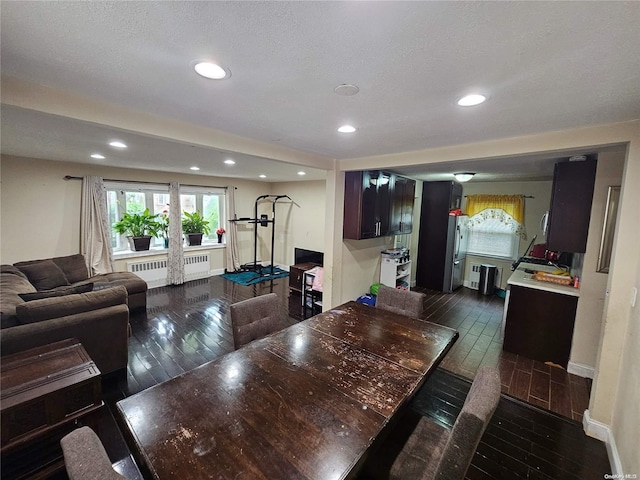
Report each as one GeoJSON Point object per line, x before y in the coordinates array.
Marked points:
{"type": "Point", "coordinates": [194, 227]}
{"type": "Point", "coordinates": [220, 231]}
{"type": "Point", "coordinates": [139, 228]}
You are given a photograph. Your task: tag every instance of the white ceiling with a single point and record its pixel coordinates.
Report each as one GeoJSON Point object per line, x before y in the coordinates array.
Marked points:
{"type": "Point", "coordinates": [545, 66]}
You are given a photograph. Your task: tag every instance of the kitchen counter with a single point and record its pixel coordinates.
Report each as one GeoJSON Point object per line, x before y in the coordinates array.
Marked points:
{"type": "Point", "coordinates": [521, 278]}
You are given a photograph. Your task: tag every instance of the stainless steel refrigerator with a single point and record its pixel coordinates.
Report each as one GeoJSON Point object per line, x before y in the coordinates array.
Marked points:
{"type": "Point", "coordinates": [455, 253]}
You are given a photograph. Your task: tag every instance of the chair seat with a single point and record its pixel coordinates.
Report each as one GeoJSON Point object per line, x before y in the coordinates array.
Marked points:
{"type": "Point", "coordinates": [422, 452]}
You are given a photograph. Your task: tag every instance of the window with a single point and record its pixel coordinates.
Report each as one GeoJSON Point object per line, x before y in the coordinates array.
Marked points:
{"type": "Point", "coordinates": [494, 238]}
{"type": "Point", "coordinates": [135, 198]}
{"type": "Point", "coordinates": [496, 224]}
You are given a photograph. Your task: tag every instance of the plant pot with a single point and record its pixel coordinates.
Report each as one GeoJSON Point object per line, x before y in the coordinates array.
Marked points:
{"type": "Point", "coordinates": [220, 238]}
{"type": "Point", "coordinates": [138, 244]}
{"type": "Point", "coordinates": [193, 238]}
{"type": "Point", "coordinates": [166, 242]}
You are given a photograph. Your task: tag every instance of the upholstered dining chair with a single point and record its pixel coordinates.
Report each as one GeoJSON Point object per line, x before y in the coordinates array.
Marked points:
{"type": "Point", "coordinates": [85, 458]}
{"type": "Point", "coordinates": [435, 452]}
{"type": "Point", "coordinates": [404, 302]}
{"type": "Point", "coordinates": [255, 318]}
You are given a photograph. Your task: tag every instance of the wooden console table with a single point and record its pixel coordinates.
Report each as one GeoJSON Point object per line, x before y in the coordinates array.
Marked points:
{"type": "Point", "coordinates": [45, 391]}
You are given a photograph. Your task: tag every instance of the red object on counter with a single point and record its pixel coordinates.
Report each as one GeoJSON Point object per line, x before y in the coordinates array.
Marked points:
{"type": "Point", "coordinates": [455, 213]}
{"type": "Point", "coordinates": [576, 281]}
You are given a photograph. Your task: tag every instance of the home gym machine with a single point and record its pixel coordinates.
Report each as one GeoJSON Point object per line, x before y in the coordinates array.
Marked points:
{"type": "Point", "coordinates": [263, 221]}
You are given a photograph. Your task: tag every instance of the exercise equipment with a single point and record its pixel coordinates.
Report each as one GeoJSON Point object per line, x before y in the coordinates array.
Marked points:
{"type": "Point", "coordinates": [263, 221]}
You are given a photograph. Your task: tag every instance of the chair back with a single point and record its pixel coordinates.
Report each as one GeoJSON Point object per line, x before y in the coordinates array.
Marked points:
{"type": "Point", "coordinates": [403, 302]}
{"type": "Point", "coordinates": [471, 423]}
{"type": "Point", "coordinates": [85, 457]}
{"type": "Point", "coordinates": [255, 318]}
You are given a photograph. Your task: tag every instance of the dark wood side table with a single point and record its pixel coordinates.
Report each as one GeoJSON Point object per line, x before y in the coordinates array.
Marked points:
{"type": "Point", "coordinates": [45, 392]}
{"type": "Point", "coordinates": [296, 273]}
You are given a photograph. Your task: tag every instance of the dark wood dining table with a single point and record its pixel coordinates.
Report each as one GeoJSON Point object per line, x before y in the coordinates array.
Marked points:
{"type": "Point", "coordinates": [304, 403]}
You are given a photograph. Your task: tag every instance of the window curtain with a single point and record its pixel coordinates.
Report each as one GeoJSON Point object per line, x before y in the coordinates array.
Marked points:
{"type": "Point", "coordinates": [233, 258]}
{"type": "Point", "coordinates": [175, 261]}
{"type": "Point", "coordinates": [506, 209]}
{"type": "Point", "coordinates": [95, 234]}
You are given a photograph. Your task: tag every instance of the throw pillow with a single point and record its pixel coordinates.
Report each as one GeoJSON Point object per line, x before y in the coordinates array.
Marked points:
{"type": "Point", "coordinates": [27, 297]}
{"type": "Point", "coordinates": [73, 266]}
{"type": "Point", "coordinates": [44, 275]}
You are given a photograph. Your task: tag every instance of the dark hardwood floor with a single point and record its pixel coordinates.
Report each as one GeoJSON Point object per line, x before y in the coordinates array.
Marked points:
{"type": "Point", "coordinates": [186, 326]}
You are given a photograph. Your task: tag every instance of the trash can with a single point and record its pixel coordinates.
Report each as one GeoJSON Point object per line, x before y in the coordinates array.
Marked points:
{"type": "Point", "coordinates": [487, 283]}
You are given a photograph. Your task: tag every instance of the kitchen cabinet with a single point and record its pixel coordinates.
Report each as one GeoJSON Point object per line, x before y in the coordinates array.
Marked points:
{"type": "Point", "coordinates": [434, 242]}
{"type": "Point", "coordinates": [367, 204]}
{"type": "Point", "coordinates": [570, 208]}
{"type": "Point", "coordinates": [539, 318]}
{"type": "Point", "coordinates": [403, 193]}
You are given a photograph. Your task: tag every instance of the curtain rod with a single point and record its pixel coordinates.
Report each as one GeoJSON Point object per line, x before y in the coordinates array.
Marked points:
{"type": "Point", "coordinates": [523, 196]}
{"type": "Point", "coordinates": [69, 177]}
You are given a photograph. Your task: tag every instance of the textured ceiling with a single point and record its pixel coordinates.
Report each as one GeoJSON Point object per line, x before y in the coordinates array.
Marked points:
{"type": "Point", "coordinates": [545, 66]}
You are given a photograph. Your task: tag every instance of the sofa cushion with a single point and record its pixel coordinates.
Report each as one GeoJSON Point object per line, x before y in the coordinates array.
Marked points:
{"type": "Point", "coordinates": [54, 307]}
{"type": "Point", "coordinates": [44, 275]}
{"type": "Point", "coordinates": [73, 266]}
{"type": "Point", "coordinates": [84, 288]}
{"type": "Point", "coordinates": [12, 283]}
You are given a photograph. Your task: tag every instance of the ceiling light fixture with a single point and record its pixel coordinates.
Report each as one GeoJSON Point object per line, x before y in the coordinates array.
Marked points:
{"type": "Point", "coordinates": [97, 156]}
{"type": "Point", "coordinates": [118, 144]}
{"type": "Point", "coordinates": [346, 90]}
{"type": "Point", "coordinates": [301, 173]}
{"type": "Point", "coordinates": [471, 100]}
{"type": "Point", "coordinates": [464, 176]}
{"type": "Point", "coordinates": [211, 70]}
{"type": "Point", "coordinates": [262, 175]}
{"type": "Point", "coordinates": [194, 168]}
{"type": "Point", "coordinates": [228, 161]}
{"type": "Point", "coordinates": [347, 129]}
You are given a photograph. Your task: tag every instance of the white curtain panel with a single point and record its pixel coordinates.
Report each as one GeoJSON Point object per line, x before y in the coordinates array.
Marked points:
{"type": "Point", "coordinates": [95, 234]}
{"type": "Point", "coordinates": [233, 257]}
{"type": "Point", "coordinates": [175, 261]}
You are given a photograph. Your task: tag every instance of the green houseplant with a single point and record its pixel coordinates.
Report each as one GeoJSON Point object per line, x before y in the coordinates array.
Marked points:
{"type": "Point", "coordinates": [139, 228]}
{"type": "Point", "coordinates": [194, 226]}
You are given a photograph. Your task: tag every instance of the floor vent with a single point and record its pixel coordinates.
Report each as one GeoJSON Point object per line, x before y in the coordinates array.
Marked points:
{"type": "Point", "coordinates": [154, 272]}
{"type": "Point", "coordinates": [474, 276]}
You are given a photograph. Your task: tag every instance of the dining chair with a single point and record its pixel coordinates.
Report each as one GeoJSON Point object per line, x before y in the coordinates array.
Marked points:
{"type": "Point", "coordinates": [255, 318]}
{"type": "Point", "coordinates": [435, 452]}
{"type": "Point", "coordinates": [85, 457]}
{"type": "Point", "coordinates": [404, 302]}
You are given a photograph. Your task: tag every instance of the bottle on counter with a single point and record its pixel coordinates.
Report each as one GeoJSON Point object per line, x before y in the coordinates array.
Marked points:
{"type": "Point", "coordinates": [576, 281]}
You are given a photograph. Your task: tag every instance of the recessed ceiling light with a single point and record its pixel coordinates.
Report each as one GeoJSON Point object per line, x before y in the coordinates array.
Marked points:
{"type": "Point", "coordinates": [195, 168]}
{"type": "Point", "coordinates": [301, 173]}
{"type": "Point", "coordinates": [471, 100]}
{"type": "Point", "coordinates": [211, 70]}
{"type": "Point", "coordinates": [346, 90]}
{"type": "Point", "coordinates": [347, 129]}
{"type": "Point", "coordinates": [262, 176]}
{"type": "Point", "coordinates": [118, 144]}
{"type": "Point", "coordinates": [228, 161]}
{"type": "Point", "coordinates": [97, 156]}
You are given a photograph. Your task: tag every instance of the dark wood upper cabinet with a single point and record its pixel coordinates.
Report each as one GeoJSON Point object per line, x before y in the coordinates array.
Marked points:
{"type": "Point", "coordinates": [370, 204]}
{"type": "Point", "coordinates": [404, 190]}
{"type": "Point", "coordinates": [570, 208]}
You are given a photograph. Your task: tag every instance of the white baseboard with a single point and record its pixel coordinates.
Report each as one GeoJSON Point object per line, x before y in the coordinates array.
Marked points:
{"type": "Point", "coordinates": [581, 370]}
{"type": "Point", "coordinates": [602, 432]}
{"type": "Point", "coordinates": [216, 271]}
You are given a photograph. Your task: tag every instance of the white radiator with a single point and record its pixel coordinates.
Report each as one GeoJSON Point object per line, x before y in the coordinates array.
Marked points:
{"type": "Point", "coordinates": [474, 276]}
{"type": "Point", "coordinates": [154, 272]}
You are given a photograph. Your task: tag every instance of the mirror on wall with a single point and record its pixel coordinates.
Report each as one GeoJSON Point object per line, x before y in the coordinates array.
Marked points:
{"type": "Point", "coordinates": [608, 229]}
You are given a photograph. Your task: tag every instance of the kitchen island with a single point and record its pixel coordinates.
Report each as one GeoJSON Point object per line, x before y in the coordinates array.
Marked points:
{"type": "Point", "coordinates": [539, 316]}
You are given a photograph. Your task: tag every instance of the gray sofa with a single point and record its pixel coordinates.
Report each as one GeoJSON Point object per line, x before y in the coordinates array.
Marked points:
{"type": "Point", "coordinates": [44, 301]}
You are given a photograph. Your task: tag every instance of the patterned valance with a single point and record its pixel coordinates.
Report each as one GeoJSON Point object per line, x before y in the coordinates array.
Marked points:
{"type": "Point", "coordinates": [496, 219]}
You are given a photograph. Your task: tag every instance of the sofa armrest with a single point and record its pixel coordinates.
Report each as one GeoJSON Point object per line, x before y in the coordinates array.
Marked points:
{"type": "Point", "coordinates": [56, 307]}
{"type": "Point", "coordinates": [104, 334]}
